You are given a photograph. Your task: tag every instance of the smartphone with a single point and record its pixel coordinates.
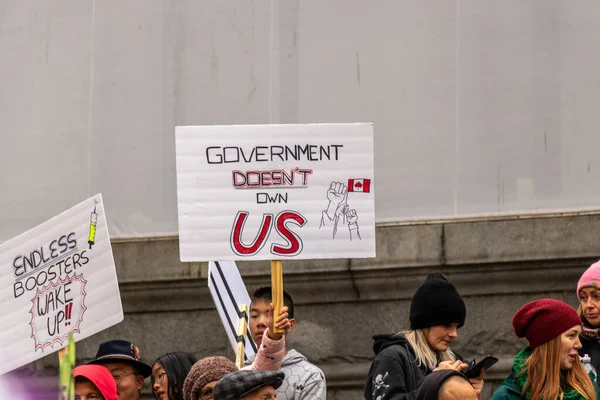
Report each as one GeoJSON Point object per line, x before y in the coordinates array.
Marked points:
{"type": "Point", "coordinates": [473, 371]}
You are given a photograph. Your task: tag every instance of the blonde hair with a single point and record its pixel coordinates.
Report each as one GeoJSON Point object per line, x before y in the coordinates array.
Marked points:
{"type": "Point", "coordinates": [544, 374]}
{"type": "Point", "coordinates": [580, 311]}
{"type": "Point", "coordinates": [425, 355]}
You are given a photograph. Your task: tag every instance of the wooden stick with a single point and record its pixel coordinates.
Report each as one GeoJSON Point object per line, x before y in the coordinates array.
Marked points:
{"type": "Point", "coordinates": [61, 353]}
{"type": "Point", "coordinates": [241, 336]}
{"type": "Point", "coordinates": [276, 291]}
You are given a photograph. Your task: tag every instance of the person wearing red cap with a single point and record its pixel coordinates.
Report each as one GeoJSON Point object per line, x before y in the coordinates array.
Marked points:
{"type": "Point", "coordinates": [549, 368]}
{"type": "Point", "coordinates": [94, 382]}
{"type": "Point", "coordinates": [588, 293]}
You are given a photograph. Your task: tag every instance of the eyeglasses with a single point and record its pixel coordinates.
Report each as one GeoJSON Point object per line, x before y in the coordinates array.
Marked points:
{"type": "Point", "coordinates": [158, 379]}
{"type": "Point", "coordinates": [206, 394]}
{"type": "Point", "coordinates": [118, 377]}
{"type": "Point", "coordinates": [90, 396]}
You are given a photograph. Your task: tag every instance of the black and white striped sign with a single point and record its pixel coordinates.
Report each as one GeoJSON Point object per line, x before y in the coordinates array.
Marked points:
{"type": "Point", "coordinates": [228, 292]}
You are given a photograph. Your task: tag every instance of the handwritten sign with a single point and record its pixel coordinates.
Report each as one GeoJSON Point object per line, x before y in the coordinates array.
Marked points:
{"type": "Point", "coordinates": [275, 191]}
{"type": "Point", "coordinates": [55, 279]}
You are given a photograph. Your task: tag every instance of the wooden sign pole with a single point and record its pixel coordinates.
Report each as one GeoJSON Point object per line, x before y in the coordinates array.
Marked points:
{"type": "Point", "coordinates": [276, 292]}
{"type": "Point", "coordinates": [241, 336]}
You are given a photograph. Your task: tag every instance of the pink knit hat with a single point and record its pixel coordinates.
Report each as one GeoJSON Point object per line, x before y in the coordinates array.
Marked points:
{"type": "Point", "coordinates": [590, 278]}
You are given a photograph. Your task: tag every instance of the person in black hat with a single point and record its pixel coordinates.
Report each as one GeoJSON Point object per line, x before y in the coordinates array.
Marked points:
{"type": "Point", "coordinates": [402, 360]}
{"type": "Point", "coordinates": [122, 358]}
{"type": "Point", "coordinates": [249, 385]}
{"type": "Point", "coordinates": [447, 384]}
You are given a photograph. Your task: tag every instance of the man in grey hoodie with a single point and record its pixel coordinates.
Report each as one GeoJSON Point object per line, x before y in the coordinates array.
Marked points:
{"type": "Point", "coordinates": [303, 380]}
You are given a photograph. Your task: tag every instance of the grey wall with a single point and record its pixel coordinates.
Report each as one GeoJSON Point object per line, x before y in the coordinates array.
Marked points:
{"type": "Point", "coordinates": [479, 107]}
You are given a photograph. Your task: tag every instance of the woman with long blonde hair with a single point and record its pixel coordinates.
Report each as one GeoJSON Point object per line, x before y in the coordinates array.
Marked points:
{"type": "Point", "coordinates": [549, 368]}
{"type": "Point", "coordinates": [403, 360]}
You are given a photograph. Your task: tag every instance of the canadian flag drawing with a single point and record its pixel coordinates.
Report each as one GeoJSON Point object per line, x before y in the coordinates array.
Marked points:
{"type": "Point", "coordinates": [359, 185]}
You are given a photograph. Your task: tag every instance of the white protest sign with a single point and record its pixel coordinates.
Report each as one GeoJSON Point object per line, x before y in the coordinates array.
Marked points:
{"type": "Point", "coordinates": [229, 292]}
{"type": "Point", "coordinates": [275, 191]}
{"type": "Point", "coordinates": [57, 278]}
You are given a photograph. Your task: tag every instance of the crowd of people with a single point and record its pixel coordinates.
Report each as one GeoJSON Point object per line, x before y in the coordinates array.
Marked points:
{"type": "Point", "coordinates": [414, 364]}
{"type": "Point", "coordinates": [118, 372]}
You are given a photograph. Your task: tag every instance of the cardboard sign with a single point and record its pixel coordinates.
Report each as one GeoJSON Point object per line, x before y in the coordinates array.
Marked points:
{"type": "Point", "coordinates": [275, 191]}
{"type": "Point", "coordinates": [55, 279]}
{"type": "Point", "coordinates": [229, 292]}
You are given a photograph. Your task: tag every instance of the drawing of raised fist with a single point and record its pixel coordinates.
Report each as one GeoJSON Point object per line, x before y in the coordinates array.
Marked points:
{"type": "Point", "coordinates": [337, 192]}
{"type": "Point", "coordinates": [351, 216]}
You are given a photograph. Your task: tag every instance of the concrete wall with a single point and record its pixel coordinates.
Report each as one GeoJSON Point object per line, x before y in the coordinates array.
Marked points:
{"type": "Point", "coordinates": [479, 107]}
{"type": "Point", "coordinates": [497, 265]}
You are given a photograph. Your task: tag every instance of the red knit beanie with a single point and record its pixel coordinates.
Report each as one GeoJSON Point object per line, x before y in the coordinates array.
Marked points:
{"type": "Point", "coordinates": [542, 320]}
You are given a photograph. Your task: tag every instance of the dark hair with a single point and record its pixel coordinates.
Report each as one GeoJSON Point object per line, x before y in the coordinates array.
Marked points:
{"type": "Point", "coordinates": [177, 365]}
{"type": "Point", "coordinates": [264, 293]}
{"type": "Point", "coordinates": [82, 379]}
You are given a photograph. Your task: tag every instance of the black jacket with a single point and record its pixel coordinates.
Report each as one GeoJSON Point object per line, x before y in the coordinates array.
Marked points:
{"type": "Point", "coordinates": [591, 347]}
{"type": "Point", "coordinates": [395, 372]}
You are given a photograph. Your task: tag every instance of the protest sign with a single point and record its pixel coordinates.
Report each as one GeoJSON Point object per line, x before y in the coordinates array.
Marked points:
{"type": "Point", "coordinates": [58, 278]}
{"type": "Point", "coordinates": [229, 293]}
{"type": "Point", "coordinates": [275, 191]}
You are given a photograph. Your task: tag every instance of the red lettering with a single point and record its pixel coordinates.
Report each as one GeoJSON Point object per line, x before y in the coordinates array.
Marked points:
{"type": "Point", "coordinates": [239, 179]}
{"type": "Point", "coordinates": [259, 241]}
{"type": "Point", "coordinates": [294, 243]}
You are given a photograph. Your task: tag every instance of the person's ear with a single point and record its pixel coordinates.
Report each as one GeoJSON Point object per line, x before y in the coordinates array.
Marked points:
{"type": "Point", "coordinates": [139, 382]}
{"type": "Point", "coordinates": [292, 325]}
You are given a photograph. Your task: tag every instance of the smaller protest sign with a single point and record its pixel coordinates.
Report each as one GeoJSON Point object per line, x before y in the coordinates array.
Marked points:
{"type": "Point", "coordinates": [57, 279]}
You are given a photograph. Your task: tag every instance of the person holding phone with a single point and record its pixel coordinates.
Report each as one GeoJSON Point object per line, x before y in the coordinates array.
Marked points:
{"type": "Point", "coordinates": [402, 360]}
{"type": "Point", "coordinates": [588, 293]}
{"type": "Point", "coordinates": [549, 368]}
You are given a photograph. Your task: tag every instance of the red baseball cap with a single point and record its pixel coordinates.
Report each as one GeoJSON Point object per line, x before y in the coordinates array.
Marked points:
{"type": "Point", "coordinates": [101, 378]}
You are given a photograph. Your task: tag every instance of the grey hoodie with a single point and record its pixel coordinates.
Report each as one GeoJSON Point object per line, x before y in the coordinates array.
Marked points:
{"type": "Point", "coordinates": [303, 380]}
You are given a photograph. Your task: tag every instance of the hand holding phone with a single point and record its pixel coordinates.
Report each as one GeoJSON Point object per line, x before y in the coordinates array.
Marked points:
{"type": "Point", "coordinates": [473, 371]}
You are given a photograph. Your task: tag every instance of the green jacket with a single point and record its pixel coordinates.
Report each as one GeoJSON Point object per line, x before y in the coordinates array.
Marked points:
{"type": "Point", "coordinates": [511, 390]}
{"type": "Point", "coordinates": [508, 390]}
{"type": "Point", "coordinates": [512, 386]}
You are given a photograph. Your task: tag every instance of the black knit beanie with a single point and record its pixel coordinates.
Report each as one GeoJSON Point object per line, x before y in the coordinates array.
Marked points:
{"type": "Point", "coordinates": [436, 302]}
